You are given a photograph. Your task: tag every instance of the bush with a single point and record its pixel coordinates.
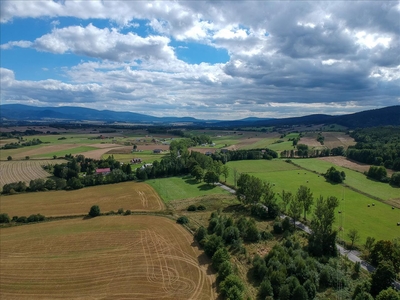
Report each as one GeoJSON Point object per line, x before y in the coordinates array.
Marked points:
{"type": "Point", "coordinates": [14, 219]}
{"type": "Point", "coordinates": [278, 227]}
{"type": "Point", "coordinates": [4, 218]}
{"type": "Point", "coordinates": [232, 287]}
{"type": "Point", "coordinates": [182, 220]}
{"type": "Point", "coordinates": [120, 211]}
{"type": "Point", "coordinates": [22, 219]}
{"type": "Point", "coordinates": [35, 218]}
{"type": "Point", "coordinates": [128, 212]}
{"type": "Point", "coordinates": [94, 211]}
{"type": "Point", "coordinates": [191, 208]}
{"type": "Point", "coordinates": [201, 207]}
{"type": "Point", "coordinates": [212, 244]}
{"type": "Point", "coordinates": [219, 257]}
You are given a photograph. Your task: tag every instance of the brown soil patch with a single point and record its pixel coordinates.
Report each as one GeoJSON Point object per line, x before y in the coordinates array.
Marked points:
{"type": "Point", "coordinates": [344, 162]}
{"type": "Point", "coordinates": [336, 139]}
{"type": "Point", "coordinates": [136, 196]}
{"type": "Point", "coordinates": [115, 257]}
{"type": "Point", "coordinates": [97, 154]}
{"type": "Point", "coordinates": [310, 142]}
{"type": "Point", "coordinates": [350, 164]}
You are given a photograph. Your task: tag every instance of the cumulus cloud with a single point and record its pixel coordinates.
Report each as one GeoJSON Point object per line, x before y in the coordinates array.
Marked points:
{"type": "Point", "coordinates": [286, 57]}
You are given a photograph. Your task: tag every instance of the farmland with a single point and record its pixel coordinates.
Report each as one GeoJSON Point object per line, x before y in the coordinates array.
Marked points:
{"type": "Point", "coordinates": [127, 195]}
{"type": "Point", "coordinates": [374, 221]}
{"type": "Point", "coordinates": [115, 257]}
{"type": "Point", "coordinates": [178, 188]}
{"type": "Point", "coordinates": [24, 170]}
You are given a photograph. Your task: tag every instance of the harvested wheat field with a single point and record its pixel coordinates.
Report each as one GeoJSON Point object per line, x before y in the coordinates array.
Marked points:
{"type": "Point", "coordinates": [136, 196]}
{"type": "Point", "coordinates": [24, 170]}
{"type": "Point", "coordinates": [110, 257]}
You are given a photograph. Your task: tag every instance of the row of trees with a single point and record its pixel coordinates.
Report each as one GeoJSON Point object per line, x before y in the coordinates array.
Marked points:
{"type": "Point", "coordinates": [21, 144]}
{"type": "Point", "coordinates": [303, 151]}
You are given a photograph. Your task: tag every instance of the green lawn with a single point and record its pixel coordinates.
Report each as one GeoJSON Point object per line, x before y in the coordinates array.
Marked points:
{"type": "Point", "coordinates": [177, 188]}
{"type": "Point", "coordinates": [378, 221]}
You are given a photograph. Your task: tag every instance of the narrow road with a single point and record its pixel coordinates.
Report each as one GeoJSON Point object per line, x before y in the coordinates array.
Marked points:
{"type": "Point", "coordinates": [352, 255]}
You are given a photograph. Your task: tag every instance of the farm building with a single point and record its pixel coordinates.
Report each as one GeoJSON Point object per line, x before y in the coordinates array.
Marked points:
{"type": "Point", "coordinates": [157, 151]}
{"type": "Point", "coordinates": [103, 171]}
{"type": "Point", "coordinates": [146, 166]}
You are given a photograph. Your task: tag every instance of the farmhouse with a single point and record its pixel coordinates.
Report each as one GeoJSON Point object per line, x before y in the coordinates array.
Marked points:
{"type": "Point", "coordinates": [103, 171]}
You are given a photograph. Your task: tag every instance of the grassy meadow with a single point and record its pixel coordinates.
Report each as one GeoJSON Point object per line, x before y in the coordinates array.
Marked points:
{"type": "Point", "coordinates": [178, 188]}
{"type": "Point", "coordinates": [378, 221]}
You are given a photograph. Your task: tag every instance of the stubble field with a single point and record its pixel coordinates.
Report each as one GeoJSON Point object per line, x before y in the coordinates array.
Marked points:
{"type": "Point", "coordinates": [114, 257]}
{"type": "Point", "coordinates": [24, 170]}
{"type": "Point", "coordinates": [127, 195]}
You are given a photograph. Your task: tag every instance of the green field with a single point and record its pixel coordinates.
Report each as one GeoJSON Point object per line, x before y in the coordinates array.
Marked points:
{"type": "Point", "coordinates": [176, 188]}
{"type": "Point", "coordinates": [378, 221]}
{"type": "Point", "coordinates": [354, 179]}
{"type": "Point", "coordinates": [72, 151]}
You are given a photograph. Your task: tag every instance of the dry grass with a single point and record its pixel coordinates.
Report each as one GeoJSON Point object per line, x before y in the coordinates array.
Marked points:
{"type": "Point", "coordinates": [128, 195]}
{"type": "Point", "coordinates": [24, 170]}
{"type": "Point", "coordinates": [115, 257]}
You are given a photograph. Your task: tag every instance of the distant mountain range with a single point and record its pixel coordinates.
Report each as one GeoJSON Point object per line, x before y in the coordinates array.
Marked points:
{"type": "Point", "coordinates": [18, 112]}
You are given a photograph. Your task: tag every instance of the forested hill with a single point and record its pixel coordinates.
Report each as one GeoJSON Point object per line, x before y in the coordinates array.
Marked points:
{"type": "Point", "coordinates": [371, 118]}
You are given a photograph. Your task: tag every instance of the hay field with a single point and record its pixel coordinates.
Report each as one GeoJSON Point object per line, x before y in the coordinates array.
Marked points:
{"type": "Point", "coordinates": [24, 170]}
{"type": "Point", "coordinates": [127, 195]}
{"type": "Point", "coordinates": [113, 257]}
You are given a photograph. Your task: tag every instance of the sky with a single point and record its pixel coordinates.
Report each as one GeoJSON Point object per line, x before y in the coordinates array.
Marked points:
{"type": "Point", "coordinates": [205, 59]}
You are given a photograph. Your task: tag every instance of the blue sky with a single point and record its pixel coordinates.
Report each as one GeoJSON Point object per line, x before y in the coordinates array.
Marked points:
{"type": "Point", "coordinates": [210, 60]}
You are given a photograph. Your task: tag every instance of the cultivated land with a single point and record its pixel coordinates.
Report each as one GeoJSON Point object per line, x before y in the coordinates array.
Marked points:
{"type": "Point", "coordinates": [24, 170]}
{"type": "Point", "coordinates": [378, 221]}
{"type": "Point", "coordinates": [113, 257]}
{"type": "Point", "coordinates": [178, 188]}
{"type": "Point", "coordinates": [127, 195]}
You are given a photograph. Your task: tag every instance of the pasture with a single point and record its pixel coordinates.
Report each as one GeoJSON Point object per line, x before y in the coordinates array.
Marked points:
{"type": "Point", "coordinates": [354, 179]}
{"type": "Point", "coordinates": [178, 188]}
{"type": "Point", "coordinates": [127, 195]}
{"type": "Point", "coordinates": [378, 221]}
{"type": "Point", "coordinates": [114, 257]}
{"type": "Point", "coordinates": [24, 170]}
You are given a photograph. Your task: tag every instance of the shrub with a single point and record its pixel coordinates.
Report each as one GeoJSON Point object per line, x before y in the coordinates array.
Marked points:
{"type": "Point", "coordinates": [94, 211]}
{"type": "Point", "coordinates": [22, 219]}
{"type": "Point", "coordinates": [14, 219]}
{"type": "Point", "coordinates": [182, 220]}
{"type": "Point", "coordinates": [35, 218]}
{"type": "Point", "coordinates": [120, 211]}
{"type": "Point", "coordinates": [4, 218]}
{"type": "Point", "coordinates": [128, 212]}
{"type": "Point", "coordinates": [232, 287]}
{"type": "Point", "coordinates": [201, 207]}
{"type": "Point", "coordinates": [191, 208]}
{"type": "Point", "coordinates": [212, 244]}
{"type": "Point", "coordinates": [278, 227]}
{"type": "Point", "coordinates": [225, 269]}
{"type": "Point", "coordinates": [219, 257]}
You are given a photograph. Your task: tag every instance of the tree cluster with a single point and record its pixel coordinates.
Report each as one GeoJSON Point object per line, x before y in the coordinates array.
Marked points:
{"type": "Point", "coordinates": [334, 175]}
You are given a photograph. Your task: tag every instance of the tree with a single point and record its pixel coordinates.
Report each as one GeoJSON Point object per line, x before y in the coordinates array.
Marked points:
{"type": "Point", "coordinates": [383, 277]}
{"type": "Point", "coordinates": [322, 240]}
{"type": "Point", "coordinates": [219, 257]}
{"type": "Point", "coordinates": [210, 177]}
{"type": "Point", "coordinates": [305, 197]}
{"type": "Point", "coordinates": [354, 237]}
{"type": "Point", "coordinates": [9, 157]}
{"type": "Point", "coordinates": [395, 179]}
{"type": "Point", "coordinates": [286, 198]}
{"type": "Point", "coordinates": [197, 172]}
{"type": "Point", "coordinates": [295, 210]}
{"type": "Point", "coordinates": [369, 243]}
{"type": "Point", "coordinates": [225, 172]}
{"type": "Point", "coordinates": [250, 189]}
{"type": "Point", "coordinates": [268, 195]}
{"type": "Point", "coordinates": [94, 211]}
{"type": "Point", "coordinates": [388, 294]}
{"type": "Point", "coordinates": [334, 175]}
